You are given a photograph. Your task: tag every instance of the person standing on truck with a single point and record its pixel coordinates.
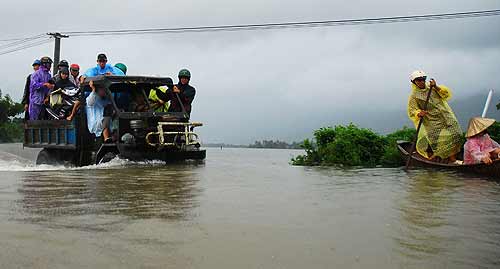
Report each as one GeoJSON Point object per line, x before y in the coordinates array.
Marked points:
{"type": "Point", "coordinates": [182, 91]}
{"type": "Point", "coordinates": [26, 96]}
{"type": "Point", "coordinates": [62, 64]}
{"type": "Point", "coordinates": [40, 84]}
{"type": "Point", "coordinates": [99, 112]}
{"type": "Point", "coordinates": [102, 68]}
{"type": "Point", "coordinates": [122, 67]}
{"type": "Point", "coordinates": [64, 81]}
{"type": "Point", "coordinates": [74, 70]}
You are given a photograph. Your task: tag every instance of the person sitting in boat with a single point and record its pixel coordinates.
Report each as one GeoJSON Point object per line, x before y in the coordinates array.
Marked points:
{"type": "Point", "coordinates": [440, 135]}
{"type": "Point", "coordinates": [479, 146]}
{"type": "Point", "coordinates": [99, 112]}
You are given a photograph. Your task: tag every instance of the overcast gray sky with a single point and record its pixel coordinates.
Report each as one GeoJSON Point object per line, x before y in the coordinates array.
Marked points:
{"type": "Point", "coordinates": [275, 84]}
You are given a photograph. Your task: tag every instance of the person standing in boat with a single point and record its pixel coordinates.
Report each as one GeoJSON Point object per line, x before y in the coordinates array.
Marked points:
{"type": "Point", "coordinates": [479, 146]}
{"type": "Point", "coordinates": [440, 135]}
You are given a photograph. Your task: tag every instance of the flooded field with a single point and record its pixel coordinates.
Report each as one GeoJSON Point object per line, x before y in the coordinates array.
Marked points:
{"type": "Point", "coordinates": [242, 208]}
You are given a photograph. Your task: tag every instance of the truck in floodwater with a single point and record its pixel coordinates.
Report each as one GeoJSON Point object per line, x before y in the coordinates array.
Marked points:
{"type": "Point", "coordinates": [138, 136]}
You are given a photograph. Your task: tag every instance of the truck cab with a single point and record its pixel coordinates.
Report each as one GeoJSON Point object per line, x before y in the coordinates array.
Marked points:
{"type": "Point", "coordinates": [137, 136]}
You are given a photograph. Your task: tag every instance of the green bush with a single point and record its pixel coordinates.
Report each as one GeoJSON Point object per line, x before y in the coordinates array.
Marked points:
{"type": "Point", "coordinates": [344, 145]}
{"type": "Point", "coordinates": [494, 131]}
{"type": "Point", "coordinates": [391, 156]}
{"type": "Point", "coordinates": [353, 146]}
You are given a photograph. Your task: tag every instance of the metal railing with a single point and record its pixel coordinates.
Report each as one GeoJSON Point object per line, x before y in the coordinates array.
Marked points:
{"type": "Point", "coordinates": [190, 137]}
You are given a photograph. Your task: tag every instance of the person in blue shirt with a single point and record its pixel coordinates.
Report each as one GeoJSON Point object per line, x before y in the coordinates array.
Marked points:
{"type": "Point", "coordinates": [98, 115]}
{"type": "Point", "coordinates": [102, 68]}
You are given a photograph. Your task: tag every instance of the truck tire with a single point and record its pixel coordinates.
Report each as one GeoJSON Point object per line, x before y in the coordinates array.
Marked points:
{"type": "Point", "coordinates": [107, 157]}
{"type": "Point", "coordinates": [48, 157]}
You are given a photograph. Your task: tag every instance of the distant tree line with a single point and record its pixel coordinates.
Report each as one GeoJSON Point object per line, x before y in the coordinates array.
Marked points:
{"type": "Point", "coordinates": [271, 144]}
{"type": "Point", "coordinates": [11, 128]}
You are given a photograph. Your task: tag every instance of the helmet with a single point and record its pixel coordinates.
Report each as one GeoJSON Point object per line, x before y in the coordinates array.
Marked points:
{"type": "Point", "coordinates": [122, 67]}
{"type": "Point", "coordinates": [64, 70]}
{"type": "Point", "coordinates": [63, 63]}
{"type": "Point", "coordinates": [185, 73]}
{"type": "Point", "coordinates": [46, 60]}
{"type": "Point", "coordinates": [36, 62]}
{"type": "Point", "coordinates": [417, 74]}
{"type": "Point", "coordinates": [75, 67]}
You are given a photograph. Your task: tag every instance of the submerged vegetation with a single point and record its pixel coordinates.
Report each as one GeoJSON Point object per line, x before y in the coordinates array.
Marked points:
{"type": "Point", "coordinates": [11, 129]}
{"type": "Point", "coordinates": [352, 146]}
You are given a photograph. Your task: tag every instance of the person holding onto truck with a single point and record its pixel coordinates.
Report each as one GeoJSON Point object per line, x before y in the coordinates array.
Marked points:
{"type": "Point", "coordinates": [102, 68]}
{"type": "Point", "coordinates": [40, 84]}
{"type": "Point", "coordinates": [182, 92]}
{"type": "Point", "coordinates": [99, 112]}
{"type": "Point", "coordinates": [26, 96]}
{"type": "Point", "coordinates": [74, 70]}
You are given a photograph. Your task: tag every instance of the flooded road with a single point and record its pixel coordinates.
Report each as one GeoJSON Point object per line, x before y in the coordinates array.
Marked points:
{"type": "Point", "coordinates": [242, 208]}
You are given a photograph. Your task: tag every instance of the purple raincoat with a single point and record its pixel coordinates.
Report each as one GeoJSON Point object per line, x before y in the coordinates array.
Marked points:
{"type": "Point", "coordinates": [38, 92]}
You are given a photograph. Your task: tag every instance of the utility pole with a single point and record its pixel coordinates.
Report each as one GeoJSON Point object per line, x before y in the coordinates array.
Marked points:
{"type": "Point", "coordinates": [57, 49]}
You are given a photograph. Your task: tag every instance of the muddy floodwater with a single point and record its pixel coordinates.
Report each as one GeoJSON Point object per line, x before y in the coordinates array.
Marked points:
{"type": "Point", "coordinates": [242, 208]}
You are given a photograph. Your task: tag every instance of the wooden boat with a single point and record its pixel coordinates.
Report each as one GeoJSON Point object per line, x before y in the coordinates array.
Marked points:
{"type": "Point", "coordinates": [491, 171]}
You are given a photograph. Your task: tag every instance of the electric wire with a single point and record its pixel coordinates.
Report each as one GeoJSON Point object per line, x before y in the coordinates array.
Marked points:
{"type": "Point", "coordinates": [26, 46]}
{"type": "Point", "coordinates": [284, 25]}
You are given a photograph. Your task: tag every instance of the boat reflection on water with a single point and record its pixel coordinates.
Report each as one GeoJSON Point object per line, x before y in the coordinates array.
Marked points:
{"type": "Point", "coordinates": [437, 215]}
{"type": "Point", "coordinates": [424, 212]}
{"type": "Point", "coordinates": [157, 192]}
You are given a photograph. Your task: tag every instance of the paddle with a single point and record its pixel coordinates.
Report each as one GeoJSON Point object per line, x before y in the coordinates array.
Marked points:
{"type": "Point", "coordinates": [414, 145]}
{"type": "Point", "coordinates": [182, 105]}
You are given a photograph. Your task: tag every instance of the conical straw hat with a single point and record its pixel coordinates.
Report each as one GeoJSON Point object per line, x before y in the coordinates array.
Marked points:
{"type": "Point", "coordinates": [477, 125]}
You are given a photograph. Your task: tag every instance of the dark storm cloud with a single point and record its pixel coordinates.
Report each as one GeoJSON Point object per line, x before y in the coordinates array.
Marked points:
{"type": "Point", "coordinates": [279, 83]}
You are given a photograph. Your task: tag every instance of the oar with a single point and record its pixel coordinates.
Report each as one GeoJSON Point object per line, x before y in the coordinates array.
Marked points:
{"type": "Point", "coordinates": [414, 145]}
{"type": "Point", "coordinates": [182, 105]}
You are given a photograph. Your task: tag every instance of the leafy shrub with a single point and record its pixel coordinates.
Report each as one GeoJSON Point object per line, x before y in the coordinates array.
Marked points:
{"type": "Point", "coordinates": [391, 156]}
{"type": "Point", "coordinates": [345, 145]}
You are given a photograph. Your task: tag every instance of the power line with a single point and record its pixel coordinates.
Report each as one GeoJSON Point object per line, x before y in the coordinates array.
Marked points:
{"type": "Point", "coordinates": [306, 24]}
{"type": "Point", "coordinates": [21, 41]}
{"type": "Point", "coordinates": [26, 46]}
{"type": "Point", "coordinates": [28, 42]}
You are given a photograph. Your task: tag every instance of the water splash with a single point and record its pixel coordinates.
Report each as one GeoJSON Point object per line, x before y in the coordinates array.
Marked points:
{"type": "Point", "coordinates": [12, 163]}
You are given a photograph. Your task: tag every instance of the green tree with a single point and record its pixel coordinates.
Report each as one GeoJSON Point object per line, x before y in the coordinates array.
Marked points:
{"type": "Point", "coordinates": [10, 126]}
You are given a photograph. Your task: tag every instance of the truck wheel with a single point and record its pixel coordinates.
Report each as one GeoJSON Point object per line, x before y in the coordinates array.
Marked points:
{"type": "Point", "coordinates": [107, 157]}
{"type": "Point", "coordinates": [48, 157]}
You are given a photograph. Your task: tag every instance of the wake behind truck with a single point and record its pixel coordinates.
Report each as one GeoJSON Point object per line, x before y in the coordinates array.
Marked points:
{"type": "Point", "coordinates": [139, 136]}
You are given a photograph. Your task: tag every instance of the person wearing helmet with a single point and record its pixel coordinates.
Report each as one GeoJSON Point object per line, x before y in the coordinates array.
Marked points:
{"type": "Point", "coordinates": [479, 146]}
{"type": "Point", "coordinates": [102, 68]}
{"type": "Point", "coordinates": [181, 91]}
{"type": "Point", "coordinates": [41, 83]}
{"type": "Point", "coordinates": [62, 64]}
{"type": "Point", "coordinates": [74, 76]}
{"type": "Point", "coordinates": [185, 92]}
{"type": "Point", "coordinates": [122, 67]}
{"type": "Point", "coordinates": [440, 134]}
{"type": "Point", "coordinates": [26, 95]}
{"type": "Point", "coordinates": [64, 81]}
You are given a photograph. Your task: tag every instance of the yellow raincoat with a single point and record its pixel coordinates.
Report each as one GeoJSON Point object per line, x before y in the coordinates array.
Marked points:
{"type": "Point", "coordinates": [440, 129]}
{"type": "Point", "coordinates": [153, 97]}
